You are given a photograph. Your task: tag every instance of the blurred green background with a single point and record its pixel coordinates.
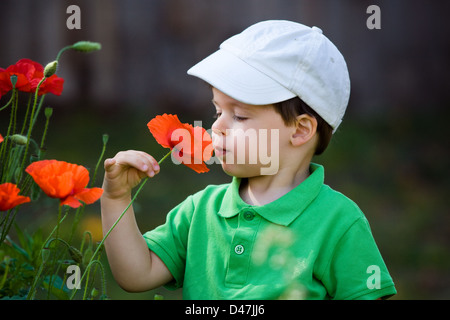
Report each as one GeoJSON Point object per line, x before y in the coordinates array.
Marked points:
{"type": "Point", "coordinates": [390, 155]}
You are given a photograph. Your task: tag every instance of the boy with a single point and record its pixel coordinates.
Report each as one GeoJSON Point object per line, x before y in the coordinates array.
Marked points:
{"type": "Point", "coordinates": [281, 234]}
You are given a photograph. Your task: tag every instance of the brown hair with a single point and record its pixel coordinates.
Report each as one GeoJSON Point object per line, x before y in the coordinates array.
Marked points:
{"type": "Point", "coordinates": [290, 109]}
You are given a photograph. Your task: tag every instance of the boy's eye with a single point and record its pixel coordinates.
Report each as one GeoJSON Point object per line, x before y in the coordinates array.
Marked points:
{"type": "Point", "coordinates": [237, 118]}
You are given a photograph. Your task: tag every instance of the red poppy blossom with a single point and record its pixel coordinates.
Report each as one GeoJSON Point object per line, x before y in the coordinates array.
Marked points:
{"type": "Point", "coordinates": [1, 138]}
{"type": "Point", "coordinates": [193, 145]}
{"type": "Point", "coordinates": [29, 73]}
{"type": "Point", "coordinates": [9, 196]}
{"type": "Point", "coordinates": [64, 181]}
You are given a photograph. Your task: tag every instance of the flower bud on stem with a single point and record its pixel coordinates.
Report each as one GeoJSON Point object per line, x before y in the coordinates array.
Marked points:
{"type": "Point", "coordinates": [50, 68]}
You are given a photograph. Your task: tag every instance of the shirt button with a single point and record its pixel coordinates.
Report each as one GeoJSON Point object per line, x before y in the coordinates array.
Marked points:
{"type": "Point", "coordinates": [248, 215]}
{"type": "Point", "coordinates": [239, 249]}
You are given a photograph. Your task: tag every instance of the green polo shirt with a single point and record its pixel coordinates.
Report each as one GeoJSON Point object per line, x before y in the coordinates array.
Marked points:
{"type": "Point", "coordinates": [312, 243]}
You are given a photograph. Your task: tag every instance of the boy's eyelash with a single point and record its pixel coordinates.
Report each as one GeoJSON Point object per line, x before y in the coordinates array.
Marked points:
{"type": "Point", "coordinates": [235, 117]}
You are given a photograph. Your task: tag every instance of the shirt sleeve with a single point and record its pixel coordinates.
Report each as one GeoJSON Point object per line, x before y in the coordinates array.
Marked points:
{"type": "Point", "coordinates": [356, 269]}
{"type": "Point", "coordinates": [169, 241]}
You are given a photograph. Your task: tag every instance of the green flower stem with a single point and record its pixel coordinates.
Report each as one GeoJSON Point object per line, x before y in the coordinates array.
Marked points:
{"type": "Point", "coordinates": [26, 114]}
{"type": "Point", "coordinates": [61, 51]}
{"type": "Point", "coordinates": [80, 210]}
{"type": "Point", "coordinates": [117, 221]}
{"type": "Point", "coordinates": [102, 271]}
{"type": "Point", "coordinates": [4, 151]}
{"type": "Point", "coordinates": [41, 102]}
{"type": "Point", "coordinates": [32, 291]}
{"type": "Point", "coordinates": [8, 223]}
{"type": "Point", "coordinates": [10, 100]}
{"type": "Point", "coordinates": [30, 128]}
{"type": "Point", "coordinates": [59, 221]}
{"type": "Point", "coordinates": [44, 135]}
{"type": "Point", "coordinates": [105, 141]}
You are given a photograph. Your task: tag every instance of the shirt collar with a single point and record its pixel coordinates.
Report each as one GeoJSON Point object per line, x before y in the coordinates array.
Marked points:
{"type": "Point", "coordinates": [283, 210]}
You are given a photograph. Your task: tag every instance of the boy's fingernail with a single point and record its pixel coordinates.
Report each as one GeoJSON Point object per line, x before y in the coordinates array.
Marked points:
{"type": "Point", "coordinates": [144, 167]}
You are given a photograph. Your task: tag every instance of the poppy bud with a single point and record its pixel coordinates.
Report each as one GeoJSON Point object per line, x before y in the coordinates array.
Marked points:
{"type": "Point", "coordinates": [86, 46]}
{"type": "Point", "coordinates": [19, 139]}
{"type": "Point", "coordinates": [105, 138]}
{"type": "Point", "coordinates": [48, 112]}
{"type": "Point", "coordinates": [50, 68]}
{"type": "Point", "coordinates": [75, 254]}
{"type": "Point", "coordinates": [13, 79]}
{"type": "Point", "coordinates": [94, 292]}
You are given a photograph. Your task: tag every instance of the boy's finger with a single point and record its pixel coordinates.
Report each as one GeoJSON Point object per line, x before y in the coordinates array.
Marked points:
{"type": "Point", "coordinates": [109, 163]}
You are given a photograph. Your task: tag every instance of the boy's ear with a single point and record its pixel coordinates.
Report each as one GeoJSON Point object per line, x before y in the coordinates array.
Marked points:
{"type": "Point", "coordinates": [305, 130]}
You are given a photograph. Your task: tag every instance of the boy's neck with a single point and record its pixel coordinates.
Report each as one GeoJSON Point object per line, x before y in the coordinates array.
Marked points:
{"type": "Point", "coordinates": [261, 190]}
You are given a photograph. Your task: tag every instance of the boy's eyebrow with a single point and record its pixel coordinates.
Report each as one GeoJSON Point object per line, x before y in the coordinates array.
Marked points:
{"type": "Point", "coordinates": [233, 105]}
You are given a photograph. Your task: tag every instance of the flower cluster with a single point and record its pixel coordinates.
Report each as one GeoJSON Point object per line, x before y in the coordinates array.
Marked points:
{"type": "Point", "coordinates": [24, 173]}
{"type": "Point", "coordinates": [27, 74]}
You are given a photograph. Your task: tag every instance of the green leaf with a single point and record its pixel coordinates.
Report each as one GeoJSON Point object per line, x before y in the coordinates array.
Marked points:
{"type": "Point", "coordinates": [58, 288]}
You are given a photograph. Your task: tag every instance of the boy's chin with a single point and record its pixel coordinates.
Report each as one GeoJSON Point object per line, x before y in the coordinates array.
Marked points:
{"type": "Point", "coordinates": [242, 170]}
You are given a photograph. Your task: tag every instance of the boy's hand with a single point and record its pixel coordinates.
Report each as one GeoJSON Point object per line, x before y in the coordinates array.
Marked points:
{"type": "Point", "coordinates": [125, 171]}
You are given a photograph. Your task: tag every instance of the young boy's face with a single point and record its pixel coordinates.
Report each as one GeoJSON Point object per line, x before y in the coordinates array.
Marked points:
{"type": "Point", "coordinates": [248, 140]}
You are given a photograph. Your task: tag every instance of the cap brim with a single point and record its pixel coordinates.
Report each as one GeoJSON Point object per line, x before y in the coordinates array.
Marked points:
{"type": "Point", "coordinates": [239, 80]}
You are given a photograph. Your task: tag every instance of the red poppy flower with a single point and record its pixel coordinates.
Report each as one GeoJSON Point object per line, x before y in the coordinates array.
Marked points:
{"type": "Point", "coordinates": [29, 73]}
{"type": "Point", "coordinates": [65, 181]}
{"type": "Point", "coordinates": [1, 138]}
{"type": "Point", "coordinates": [9, 196]}
{"type": "Point", "coordinates": [193, 146]}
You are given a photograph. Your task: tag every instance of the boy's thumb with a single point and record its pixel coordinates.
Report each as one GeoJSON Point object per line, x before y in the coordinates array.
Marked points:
{"type": "Point", "coordinates": [108, 164]}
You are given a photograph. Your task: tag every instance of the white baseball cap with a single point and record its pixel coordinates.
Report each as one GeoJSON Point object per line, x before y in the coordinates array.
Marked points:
{"type": "Point", "coordinates": [276, 60]}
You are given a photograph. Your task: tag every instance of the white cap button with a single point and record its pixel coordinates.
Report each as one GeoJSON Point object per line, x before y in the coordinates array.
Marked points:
{"type": "Point", "coordinates": [317, 29]}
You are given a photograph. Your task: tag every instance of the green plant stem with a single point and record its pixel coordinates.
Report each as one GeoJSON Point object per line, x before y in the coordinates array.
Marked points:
{"type": "Point", "coordinates": [10, 100]}
{"type": "Point", "coordinates": [44, 135]}
{"type": "Point", "coordinates": [59, 222]}
{"type": "Point", "coordinates": [32, 291]}
{"type": "Point", "coordinates": [98, 163]}
{"type": "Point", "coordinates": [31, 127]}
{"type": "Point", "coordinates": [4, 151]}
{"type": "Point", "coordinates": [41, 102]}
{"type": "Point", "coordinates": [24, 125]}
{"type": "Point", "coordinates": [58, 56]}
{"type": "Point", "coordinates": [102, 271]}
{"type": "Point", "coordinates": [8, 224]}
{"type": "Point", "coordinates": [144, 181]}
{"type": "Point", "coordinates": [80, 210]}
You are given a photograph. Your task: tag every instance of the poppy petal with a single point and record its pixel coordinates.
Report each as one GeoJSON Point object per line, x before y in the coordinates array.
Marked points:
{"type": "Point", "coordinates": [70, 201]}
{"type": "Point", "coordinates": [162, 127]}
{"type": "Point", "coordinates": [9, 196]}
{"type": "Point", "coordinates": [52, 84]}
{"type": "Point", "coordinates": [188, 162]}
{"type": "Point", "coordinates": [199, 168]}
{"type": "Point", "coordinates": [63, 180]}
{"type": "Point", "coordinates": [89, 196]}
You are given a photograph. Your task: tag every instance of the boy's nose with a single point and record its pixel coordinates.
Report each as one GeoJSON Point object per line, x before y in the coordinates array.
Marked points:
{"type": "Point", "coordinates": [218, 128]}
